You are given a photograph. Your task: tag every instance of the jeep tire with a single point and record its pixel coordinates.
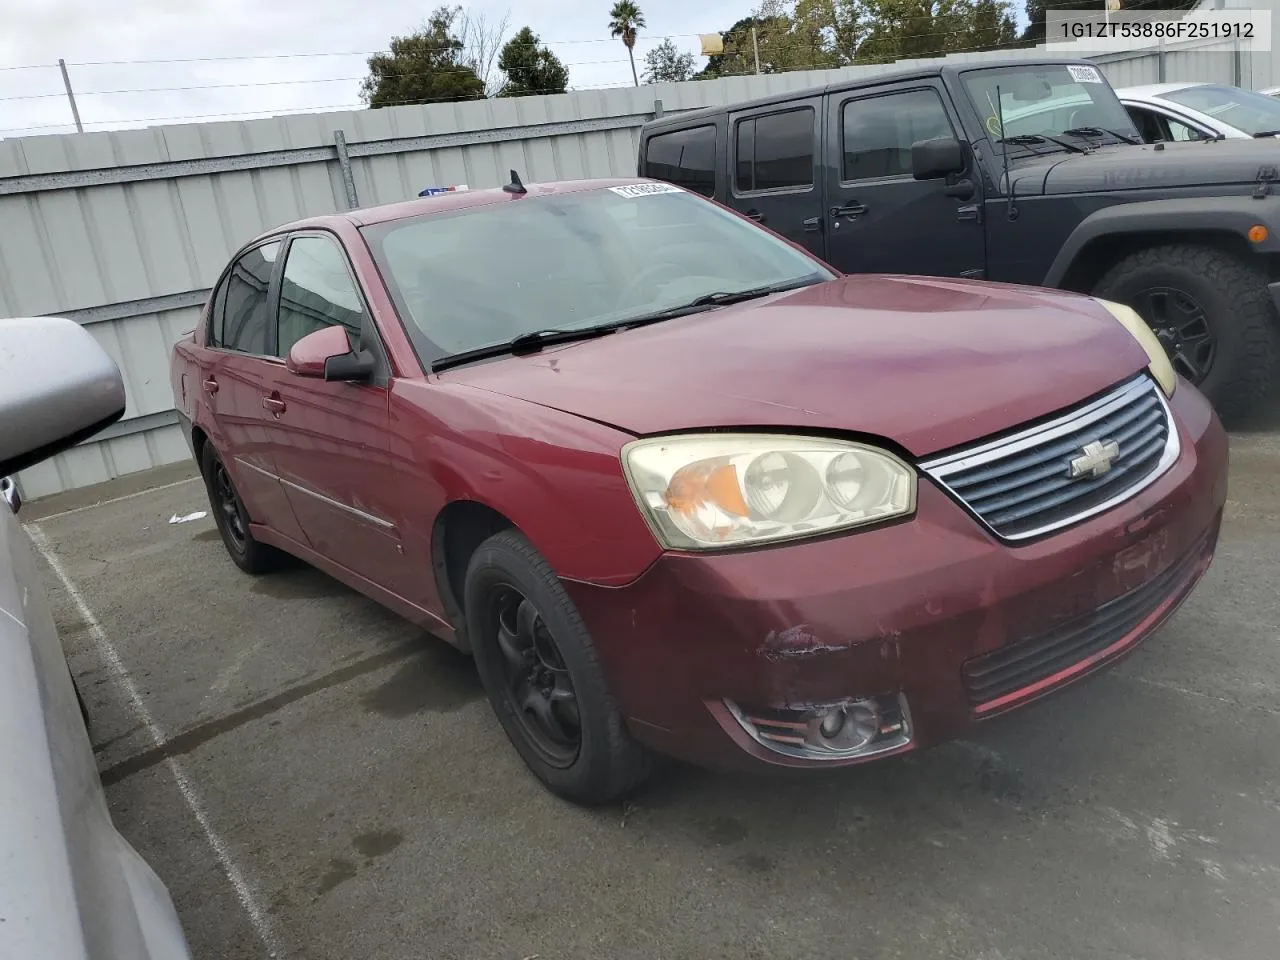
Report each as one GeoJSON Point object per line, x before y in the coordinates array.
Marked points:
{"type": "Point", "coordinates": [1213, 312]}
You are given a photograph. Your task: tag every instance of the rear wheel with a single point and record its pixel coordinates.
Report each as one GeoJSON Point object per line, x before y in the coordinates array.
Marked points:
{"type": "Point", "coordinates": [1214, 315]}
{"type": "Point", "coordinates": [543, 677]}
{"type": "Point", "coordinates": [232, 520]}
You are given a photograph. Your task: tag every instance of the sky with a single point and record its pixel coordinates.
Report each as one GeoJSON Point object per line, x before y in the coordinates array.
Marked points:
{"type": "Point", "coordinates": [291, 54]}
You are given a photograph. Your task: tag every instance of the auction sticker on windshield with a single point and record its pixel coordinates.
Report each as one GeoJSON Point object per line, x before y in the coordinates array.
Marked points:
{"type": "Point", "coordinates": [1082, 74]}
{"type": "Point", "coordinates": [633, 190]}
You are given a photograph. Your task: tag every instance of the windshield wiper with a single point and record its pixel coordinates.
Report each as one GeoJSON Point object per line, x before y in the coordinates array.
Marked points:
{"type": "Point", "coordinates": [530, 342]}
{"type": "Point", "coordinates": [1097, 132]}
{"type": "Point", "coordinates": [535, 340]}
{"type": "Point", "coordinates": [1029, 139]}
{"type": "Point", "coordinates": [1267, 133]}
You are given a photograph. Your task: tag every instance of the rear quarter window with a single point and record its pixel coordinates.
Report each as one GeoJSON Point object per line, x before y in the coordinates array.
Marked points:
{"type": "Point", "coordinates": [686, 158]}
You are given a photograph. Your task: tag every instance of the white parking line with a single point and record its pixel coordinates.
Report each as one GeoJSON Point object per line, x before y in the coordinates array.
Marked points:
{"type": "Point", "coordinates": [127, 496]}
{"type": "Point", "coordinates": [111, 657]}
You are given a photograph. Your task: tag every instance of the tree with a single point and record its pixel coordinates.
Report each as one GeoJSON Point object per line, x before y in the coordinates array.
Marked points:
{"type": "Point", "coordinates": [666, 64]}
{"type": "Point", "coordinates": [624, 20]}
{"type": "Point", "coordinates": [909, 29]}
{"type": "Point", "coordinates": [481, 41]}
{"type": "Point", "coordinates": [425, 66]}
{"type": "Point", "coordinates": [530, 68]}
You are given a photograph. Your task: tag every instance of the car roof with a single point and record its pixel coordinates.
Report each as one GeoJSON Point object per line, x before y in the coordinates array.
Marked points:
{"type": "Point", "coordinates": [893, 76]}
{"type": "Point", "coordinates": [1155, 89]}
{"type": "Point", "coordinates": [442, 203]}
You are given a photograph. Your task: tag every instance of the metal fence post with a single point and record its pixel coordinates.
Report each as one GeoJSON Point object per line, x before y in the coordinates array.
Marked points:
{"type": "Point", "coordinates": [344, 164]}
{"type": "Point", "coordinates": [1160, 60]}
{"type": "Point", "coordinates": [657, 109]}
{"type": "Point", "coordinates": [1236, 58]}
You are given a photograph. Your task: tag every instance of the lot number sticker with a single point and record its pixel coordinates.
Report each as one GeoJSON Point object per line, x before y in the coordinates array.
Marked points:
{"type": "Point", "coordinates": [633, 190]}
{"type": "Point", "coordinates": [1083, 74]}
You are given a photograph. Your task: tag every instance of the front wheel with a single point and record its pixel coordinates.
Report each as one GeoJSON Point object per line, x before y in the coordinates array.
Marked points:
{"type": "Point", "coordinates": [543, 676]}
{"type": "Point", "coordinates": [1214, 315]}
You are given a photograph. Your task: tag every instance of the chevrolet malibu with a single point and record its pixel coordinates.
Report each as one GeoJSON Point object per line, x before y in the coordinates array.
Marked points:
{"type": "Point", "coordinates": [682, 489]}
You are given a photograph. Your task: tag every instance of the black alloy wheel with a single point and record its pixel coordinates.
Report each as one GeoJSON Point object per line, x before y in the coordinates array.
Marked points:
{"type": "Point", "coordinates": [1180, 324]}
{"type": "Point", "coordinates": [536, 681]}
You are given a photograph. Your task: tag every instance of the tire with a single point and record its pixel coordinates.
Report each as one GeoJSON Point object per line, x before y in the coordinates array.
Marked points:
{"type": "Point", "coordinates": [232, 520]}
{"type": "Point", "coordinates": [1238, 313]}
{"type": "Point", "coordinates": [509, 585]}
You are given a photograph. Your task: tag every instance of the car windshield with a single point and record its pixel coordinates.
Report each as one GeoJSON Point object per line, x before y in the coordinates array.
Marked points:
{"type": "Point", "coordinates": [1245, 110]}
{"type": "Point", "coordinates": [1047, 101]}
{"type": "Point", "coordinates": [471, 278]}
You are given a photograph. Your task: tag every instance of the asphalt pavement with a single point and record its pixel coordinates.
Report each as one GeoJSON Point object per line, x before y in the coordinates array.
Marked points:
{"type": "Point", "coordinates": [313, 777]}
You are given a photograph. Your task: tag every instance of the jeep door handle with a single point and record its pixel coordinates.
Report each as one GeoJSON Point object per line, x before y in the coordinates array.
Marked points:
{"type": "Point", "coordinates": [210, 385]}
{"type": "Point", "coordinates": [755, 215]}
{"type": "Point", "coordinates": [274, 404]}
{"type": "Point", "coordinates": [854, 209]}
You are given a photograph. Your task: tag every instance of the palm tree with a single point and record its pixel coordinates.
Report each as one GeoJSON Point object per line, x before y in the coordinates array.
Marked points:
{"type": "Point", "coordinates": [624, 20]}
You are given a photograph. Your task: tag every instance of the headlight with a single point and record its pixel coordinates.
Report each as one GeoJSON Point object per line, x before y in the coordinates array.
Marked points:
{"type": "Point", "coordinates": [721, 490]}
{"type": "Point", "coordinates": [1159, 366]}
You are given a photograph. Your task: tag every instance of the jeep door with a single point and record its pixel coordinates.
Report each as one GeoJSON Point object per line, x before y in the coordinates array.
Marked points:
{"type": "Point", "coordinates": [880, 219]}
{"type": "Point", "coordinates": [773, 153]}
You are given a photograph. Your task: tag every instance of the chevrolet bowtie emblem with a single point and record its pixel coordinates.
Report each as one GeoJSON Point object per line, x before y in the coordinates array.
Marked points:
{"type": "Point", "coordinates": [1095, 458]}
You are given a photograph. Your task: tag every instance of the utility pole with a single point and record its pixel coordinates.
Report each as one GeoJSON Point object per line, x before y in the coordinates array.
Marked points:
{"type": "Point", "coordinates": [755, 45]}
{"type": "Point", "coordinates": [71, 97]}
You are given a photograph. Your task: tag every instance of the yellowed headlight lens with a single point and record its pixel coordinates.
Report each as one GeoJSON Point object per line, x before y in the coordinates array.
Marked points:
{"type": "Point", "coordinates": [1159, 364]}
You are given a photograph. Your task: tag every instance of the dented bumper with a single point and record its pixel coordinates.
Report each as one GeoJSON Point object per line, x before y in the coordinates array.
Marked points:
{"type": "Point", "coordinates": [909, 608]}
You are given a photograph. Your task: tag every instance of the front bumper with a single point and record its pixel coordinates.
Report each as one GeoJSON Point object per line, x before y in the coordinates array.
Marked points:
{"type": "Point", "coordinates": [909, 608]}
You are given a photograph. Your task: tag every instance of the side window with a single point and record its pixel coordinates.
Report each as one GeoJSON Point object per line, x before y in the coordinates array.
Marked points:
{"type": "Point", "coordinates": [1181, 131]}
{"type": "Point", "coordinates": [217, 310]}
{"type": "Point", "coordinates": [774, 151]}
{"type": "Point", "coordinates": [686, 158]}
{"type": "Point", "coordinates": [1147, 123]}
{"type": "Point", "coordinates": [316, 292]}
{"type": "Point", "coordinates": [879, 131]}
{"type": "Point", "coordinates": [246, 310]}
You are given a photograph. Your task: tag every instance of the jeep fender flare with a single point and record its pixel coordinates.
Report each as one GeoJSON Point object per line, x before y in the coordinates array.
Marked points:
{"type": "Point", "coordinates": [1222, 214]}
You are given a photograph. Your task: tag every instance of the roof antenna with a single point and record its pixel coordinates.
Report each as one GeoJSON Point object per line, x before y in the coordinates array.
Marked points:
{"type": "Point", "coordinates": [1011, 208]}
{"type": "Point", "coordinates": [515, 186]}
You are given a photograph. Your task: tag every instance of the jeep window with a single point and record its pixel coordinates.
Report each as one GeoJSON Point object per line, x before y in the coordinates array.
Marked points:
{"type": "Point", "coordinates": [878, 132]}
{"type": "Point", "coordinates": [1047, 100]}
{"type": "Point", "coordinates": [774, 151]}
{"type": "Point", "coordinates": [1254, 113]}
{"type": "Point", "coordinates": [686, 158]}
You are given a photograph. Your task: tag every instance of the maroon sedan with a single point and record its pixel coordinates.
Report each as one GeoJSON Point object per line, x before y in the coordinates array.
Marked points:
{"type": "Point", "coordinates": [681, 488]}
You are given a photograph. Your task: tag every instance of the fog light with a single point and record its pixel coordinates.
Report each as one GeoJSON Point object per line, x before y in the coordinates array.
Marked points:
{"type": "Point", "coordinates": [848, 727]}
{"type": "Point", "coordinates": [835, 730]}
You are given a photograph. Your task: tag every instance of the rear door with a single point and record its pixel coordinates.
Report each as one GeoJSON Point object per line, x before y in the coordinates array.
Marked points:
{"type": "Point", "coordinates": [774, 178]}
{"type": "Point", "coordinates": [687, 157]}
{"type": "Point", "coordinates": [330, 438]}
{"type": "Point", "coordinates": [881, 219]}
{"type": "Point", "coordinates": [237, 357]}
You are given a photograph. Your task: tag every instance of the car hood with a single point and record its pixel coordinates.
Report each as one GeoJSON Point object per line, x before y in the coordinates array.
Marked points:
{"type": "Point", "coordinates": [926, 363]}
{"type": "Point", "coordinates": [1124, 167]}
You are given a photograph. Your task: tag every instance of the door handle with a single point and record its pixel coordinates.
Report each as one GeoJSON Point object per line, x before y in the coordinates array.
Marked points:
{"type": "Point", "coordinates": [813, 225]}
{"type": "Point", "coordinates": [211, 385]}
{"type": "Point", "coordinates": [755, 215]}
{"type": "Point", "coordinates": [854, 209]}
{"type": "Point", "coordinates": [274, 404]}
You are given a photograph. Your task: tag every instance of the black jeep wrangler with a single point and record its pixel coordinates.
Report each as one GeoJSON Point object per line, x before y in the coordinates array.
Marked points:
{"type": "Point", "coordinates": [1024, 171]}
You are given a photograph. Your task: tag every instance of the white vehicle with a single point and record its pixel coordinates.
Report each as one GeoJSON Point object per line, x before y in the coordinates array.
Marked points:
{"type": "Point", "coordinates": [71, 887]}
{"type": "Point", "coordinates": [1201, 111]}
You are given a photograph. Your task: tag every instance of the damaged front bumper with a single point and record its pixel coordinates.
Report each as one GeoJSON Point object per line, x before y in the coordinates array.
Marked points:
{"type": "Point", "coordinates": [708, 655]}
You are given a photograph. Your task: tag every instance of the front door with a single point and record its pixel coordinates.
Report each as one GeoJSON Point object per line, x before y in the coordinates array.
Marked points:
{"type": "Point", "coordinates": [879, 218]}
{"type": "Point", "coordinates": [329, 438]}
{"type": "Point", "coordinates": [772, 161]}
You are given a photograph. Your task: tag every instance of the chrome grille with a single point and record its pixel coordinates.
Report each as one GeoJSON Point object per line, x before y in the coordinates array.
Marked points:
{"type": "Point", "coordinates": [1076, 465]}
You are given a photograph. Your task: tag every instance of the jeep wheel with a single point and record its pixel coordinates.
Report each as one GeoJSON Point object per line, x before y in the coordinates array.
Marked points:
{"type": "Point", "coordinates": [1212, 312]}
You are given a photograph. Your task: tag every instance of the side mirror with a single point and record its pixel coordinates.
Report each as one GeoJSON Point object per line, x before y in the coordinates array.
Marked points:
{"type": "Point", "coordinates": [934, 159]}
{"type": "Point", "coordinates": [57, 387]}
{"type": "Point", "coordinates": [326, 354]}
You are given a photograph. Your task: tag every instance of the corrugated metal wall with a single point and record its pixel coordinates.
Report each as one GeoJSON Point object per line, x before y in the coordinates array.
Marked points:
{"type": "Point", "coordinates": [126, 231]}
